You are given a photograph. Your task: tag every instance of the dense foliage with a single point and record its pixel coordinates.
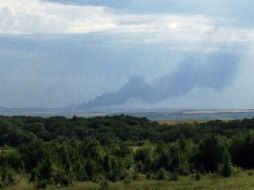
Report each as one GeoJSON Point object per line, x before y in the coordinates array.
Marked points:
{"type": "Point", "coordinates": [60, 151]}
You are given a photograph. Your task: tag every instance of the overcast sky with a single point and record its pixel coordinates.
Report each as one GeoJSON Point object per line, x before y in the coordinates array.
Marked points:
{"type": "Point", "coordinates": [131, 53]}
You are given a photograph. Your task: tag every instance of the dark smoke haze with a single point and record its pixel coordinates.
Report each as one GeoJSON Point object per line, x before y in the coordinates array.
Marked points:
{"type": "Point", "coordinates": [213, 71]}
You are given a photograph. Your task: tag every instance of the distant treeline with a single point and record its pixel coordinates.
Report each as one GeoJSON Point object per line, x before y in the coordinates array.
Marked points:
{"type": "Point", "coordinates": [60, 151]}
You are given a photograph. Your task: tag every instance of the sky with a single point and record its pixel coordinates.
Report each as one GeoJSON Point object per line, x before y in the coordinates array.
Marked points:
{"type": "Point", "coordinates": [186, 54]}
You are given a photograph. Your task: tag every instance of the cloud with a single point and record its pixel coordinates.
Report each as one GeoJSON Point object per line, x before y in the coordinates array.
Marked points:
{"type": "Point", "coordinates": [108, 3]}
{"type": "Point", "coordinates": [43, 17]}
{"type": "Point", "coordinates": [38, 17]}
{"type": "Point", "coordinates": [88, 36]}
{"type": "Point", "coordinates": [211, 71]}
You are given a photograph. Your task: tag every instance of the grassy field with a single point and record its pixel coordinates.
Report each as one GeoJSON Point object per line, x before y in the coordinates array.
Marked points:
{"type": "Point", "coordinates": [243, 181]}
{"type": "Point", "coordinates": [176, 122]}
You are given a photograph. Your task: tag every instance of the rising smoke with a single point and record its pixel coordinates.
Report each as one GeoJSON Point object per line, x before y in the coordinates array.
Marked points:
{"type": "Point", "coordinates": [213, 71]}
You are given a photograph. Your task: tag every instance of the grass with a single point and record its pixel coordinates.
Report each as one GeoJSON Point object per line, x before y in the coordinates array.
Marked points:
{"type": "Point", "coordinates": [179, 122]}
{"type": "Point", "coordinates": [243, 181]}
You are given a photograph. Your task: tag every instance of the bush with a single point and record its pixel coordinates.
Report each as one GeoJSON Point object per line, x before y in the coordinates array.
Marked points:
{"type": "Point", "coordinates": [7, 176]}
{"type": "Point", "coordinates": [162, 174]}
{"type": "Point", "coordinates": [135, 174]}
{"type": "Point", "coordinates": [227, 170]}
{"type": "Point", "coordinates": [104, 184]}
{"type": "Point", "coordinates": [127, 180]}
{"type": "Point", "coordinates": [149, 176]}
{"type": "Point", "coordinates": [197, 176]}
{"type": "Point", "coordinates": [41, 184]}
{"type": "Point", "coordinates": [63, 180]}
{"type": "Point", "coordinates": [175, 176]}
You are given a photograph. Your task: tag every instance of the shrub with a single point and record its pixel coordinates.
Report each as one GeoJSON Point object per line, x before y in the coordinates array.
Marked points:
{"type": "Point", "coordinates": [227, 170]}
{"type": "Point", "coordinates": [162, 174]}
{"type": "Point", "coordinates": [175, 176]}
{"type": "Point", "coordinates": [7, 176]}
{"type": "Point", "coordinates": [41, 184]}
{"type": "Point", "coordinates": [135, 173]}
{"type": "Point", "coordinates": [197, 176]}
{"type": "Point", "coordinates": [104, 184]}
{"type": "Point", "coordinates": [127, 180]}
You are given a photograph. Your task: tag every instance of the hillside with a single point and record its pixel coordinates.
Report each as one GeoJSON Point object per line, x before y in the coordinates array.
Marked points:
{"type": "Point", "coordinates": [62, 152]}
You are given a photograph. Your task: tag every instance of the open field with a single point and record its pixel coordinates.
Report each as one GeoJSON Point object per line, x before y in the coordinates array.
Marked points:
{"type": "Point", "coordinates": [176, 122]}
{"type": "Point", "coordinates": [243, 181]}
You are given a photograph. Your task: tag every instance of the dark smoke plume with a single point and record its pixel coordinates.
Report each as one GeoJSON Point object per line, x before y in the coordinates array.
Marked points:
{"type": "Point", "coordinates": [214, 71]}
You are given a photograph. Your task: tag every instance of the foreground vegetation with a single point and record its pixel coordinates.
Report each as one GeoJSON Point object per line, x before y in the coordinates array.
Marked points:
{"type": "Point", "coordinates": [124, 152]}
{"type": "Point", "coordinates": [243, 181]}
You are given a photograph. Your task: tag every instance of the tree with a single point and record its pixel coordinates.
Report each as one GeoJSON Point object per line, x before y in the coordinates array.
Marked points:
{"type": "Point", "coordinates": [211, 153]}
{"type": "Point", "coordinates": [145, 156]}
{"type": "Point", "coordinates": [242, 150]}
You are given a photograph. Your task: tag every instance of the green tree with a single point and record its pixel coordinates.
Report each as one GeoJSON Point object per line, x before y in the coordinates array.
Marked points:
{"type": "Point", "coordinates": [211, 153]}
